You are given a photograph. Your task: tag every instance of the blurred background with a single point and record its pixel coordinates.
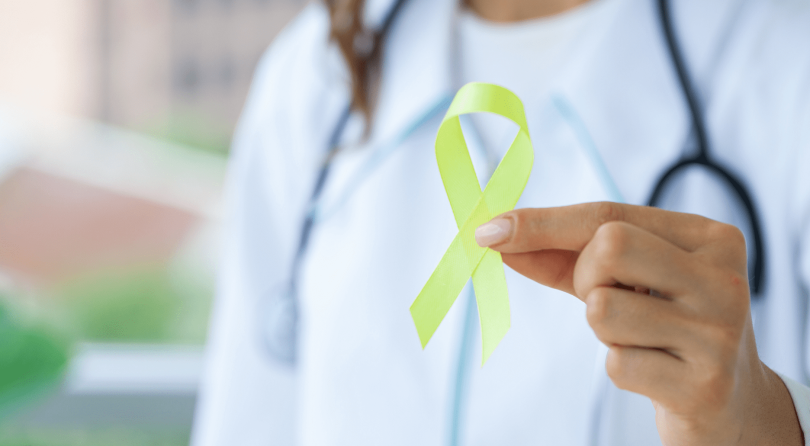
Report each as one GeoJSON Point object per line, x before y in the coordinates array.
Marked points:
{"type": "Point", "coordinates": [115, 121]}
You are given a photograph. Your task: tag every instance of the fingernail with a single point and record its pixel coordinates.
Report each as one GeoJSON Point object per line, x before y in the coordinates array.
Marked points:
{"type": "Point", "coordinates": [494, 232]}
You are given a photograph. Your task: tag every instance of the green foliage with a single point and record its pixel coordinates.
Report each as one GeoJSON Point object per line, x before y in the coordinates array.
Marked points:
{"type": "Point", "coordinates": [194, 131]}
{"type": "Point", "coordinates": [32, 359]}
{"type": "Point", "coordinates": [108, 437]}
{"type": "Point", "coordinates": [135, 305]}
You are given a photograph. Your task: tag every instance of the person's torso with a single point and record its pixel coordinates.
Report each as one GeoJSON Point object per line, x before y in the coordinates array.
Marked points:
{"type": "Point", "coordinates": [387, 222]}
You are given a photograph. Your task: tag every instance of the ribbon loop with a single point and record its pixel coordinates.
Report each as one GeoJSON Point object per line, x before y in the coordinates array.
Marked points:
{"type": "Point", "coordinates": [464, 259]}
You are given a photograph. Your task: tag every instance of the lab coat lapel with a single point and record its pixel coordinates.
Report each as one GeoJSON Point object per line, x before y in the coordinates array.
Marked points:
{"type": "Point", "coordinates": [415, 87]}
{"type": "Point", "coordinates": [416, 70]}
{"type": "Point", "coordinates": [621, 86]}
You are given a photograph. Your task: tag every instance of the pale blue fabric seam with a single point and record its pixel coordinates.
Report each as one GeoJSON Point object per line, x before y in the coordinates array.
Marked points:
{"type": "Point", "coordinates": [377, 158]}
{"type": "Point", "coordinates": [583, 136]}
{"type": "Point", "coordinates": [577, 125]}
{"type": "Point", "coordinates": [460, 386]}
{"type": "Point", "coordinates": [462, 373]}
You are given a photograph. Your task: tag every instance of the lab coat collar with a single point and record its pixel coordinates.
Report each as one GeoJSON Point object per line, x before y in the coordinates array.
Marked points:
{"type": "Point", "coordinates": [417, 66]}
{"type": "Point", "coordinates": [619, 79]}
{"type": "Point", "coordinates": [622, 83]}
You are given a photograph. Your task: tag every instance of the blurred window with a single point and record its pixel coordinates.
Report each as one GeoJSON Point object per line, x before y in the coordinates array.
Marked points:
{"type": "Point", "coordinates": [227, 72]}
{"type": "Point", "coordinates": [188, 6]}
{"type": "Point", "coordinates": [187, 76]}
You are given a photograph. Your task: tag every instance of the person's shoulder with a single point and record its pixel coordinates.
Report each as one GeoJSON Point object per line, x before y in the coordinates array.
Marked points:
{"type": "Point", "coordinates": [766, 57]}
{"type": "Point", "coordinates": [776, 75]}
{"type": "Point", "coordinates": [790, 15]}
{"type": "Point", "coordinates": [780, 36]}
{"type": "Point", "coordinates": [297, 85]}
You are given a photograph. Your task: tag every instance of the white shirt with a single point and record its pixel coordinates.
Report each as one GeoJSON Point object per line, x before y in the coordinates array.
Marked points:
{"type": "Point", "coordinates": [362, 378]}
{"type": "Point", "coordinates": [523, 57]}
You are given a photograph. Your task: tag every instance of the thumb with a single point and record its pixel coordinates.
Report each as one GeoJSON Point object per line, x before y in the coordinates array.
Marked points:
{"type": "Point", "coordinates": [567, 228]}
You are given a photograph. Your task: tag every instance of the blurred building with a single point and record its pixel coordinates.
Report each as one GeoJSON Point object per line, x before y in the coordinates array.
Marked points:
{"type": "Point", "coordinates": [78, 196]}
{"type": "Point", "coordinates": [90, 92]}
{"type": "Point", "coordinates": [175, 70]}
{"type": "Point", "coordinates": [135, 220]}
{"type": "Point", "coordinates": [104, 107]}
{"type": "Point", "coordinates": [172, 68]}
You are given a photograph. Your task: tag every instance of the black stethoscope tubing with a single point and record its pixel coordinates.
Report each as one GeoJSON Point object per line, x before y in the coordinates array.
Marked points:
{"type": "Point", "coordinates": [333, 143]}
{"type": "Point", "coordinates": [281, 340]}
{"type": "Point", "coordinates": [756, 267]}
{"type": "Point", "coordinates": [702, 158]}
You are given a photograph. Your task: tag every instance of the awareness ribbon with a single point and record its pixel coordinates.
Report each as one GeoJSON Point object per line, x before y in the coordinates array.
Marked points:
{"type": "Point", "coordinates": [472, 208]}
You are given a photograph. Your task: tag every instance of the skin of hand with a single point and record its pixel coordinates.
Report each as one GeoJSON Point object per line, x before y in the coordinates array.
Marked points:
{"type": "Point", "coordinates": [689, 345]}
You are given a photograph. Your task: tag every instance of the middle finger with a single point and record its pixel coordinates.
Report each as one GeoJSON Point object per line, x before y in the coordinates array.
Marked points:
{"type": "Point", "coordinates": [620, 253]}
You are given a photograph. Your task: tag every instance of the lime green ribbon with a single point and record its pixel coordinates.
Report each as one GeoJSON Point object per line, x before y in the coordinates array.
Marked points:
{"type": "Point", "coordinates": [472, 208]}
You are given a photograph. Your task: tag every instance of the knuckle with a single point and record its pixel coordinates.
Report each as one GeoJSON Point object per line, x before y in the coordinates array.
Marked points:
{"type": "Point", "coordinates": [727, 232]}
{"type": "Point", "coordinates": [728, 288]}
{"type": "Point", "coordinates": [525, 224]}
{"type": "Point", "coordinates": [617, 368]}
{"type": "Point", "coordinates": [611, 241]}
{"type": "Point", "coordinates": [730, 236]}
{"type": "Point", "coordinates": [739, 304]}
{"type": "Point", "coordinates": [606, 211]}
{"type": "Point", "coordinates": [598, 307]}
{"type": "Point", "coordinates": [737, 288]}
{"type": "Point", "coordinates": [520, 218]}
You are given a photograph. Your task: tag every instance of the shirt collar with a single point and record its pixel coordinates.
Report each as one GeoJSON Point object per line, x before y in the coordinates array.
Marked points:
{"type": "Point", "coordinates": [619, 79]}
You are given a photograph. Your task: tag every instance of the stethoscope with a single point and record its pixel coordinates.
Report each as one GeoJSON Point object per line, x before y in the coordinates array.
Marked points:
{"type": "Point", "coordinates": [280, 325]}
{"type": "Point", "coordinates": [703, 158]}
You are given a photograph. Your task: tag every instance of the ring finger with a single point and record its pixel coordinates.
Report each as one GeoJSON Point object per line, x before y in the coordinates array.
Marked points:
{"type": "Point", "coordinates": [624, 317]}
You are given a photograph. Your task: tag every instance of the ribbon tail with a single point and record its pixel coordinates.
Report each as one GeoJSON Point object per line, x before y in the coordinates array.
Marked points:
{"type": "Point", "coordinates": [492, 297]}
{"type": "Point", "coordinates": [443, 287]}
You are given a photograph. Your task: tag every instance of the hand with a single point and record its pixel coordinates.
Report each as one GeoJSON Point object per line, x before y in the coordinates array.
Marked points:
{"type": "Point", "coordinates": [689, 345]}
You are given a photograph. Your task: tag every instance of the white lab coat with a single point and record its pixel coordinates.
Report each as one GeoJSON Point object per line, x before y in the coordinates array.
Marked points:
{"type": "Point", "coordinates": [362, 378]}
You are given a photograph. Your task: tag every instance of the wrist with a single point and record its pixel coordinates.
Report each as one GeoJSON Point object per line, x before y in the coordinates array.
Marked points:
{"type": "Point", "coordinates": [769, 415]}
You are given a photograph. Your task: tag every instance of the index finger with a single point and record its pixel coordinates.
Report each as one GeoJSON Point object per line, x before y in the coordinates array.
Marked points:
{"type": "Point", "coordinates": [572, 227]}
